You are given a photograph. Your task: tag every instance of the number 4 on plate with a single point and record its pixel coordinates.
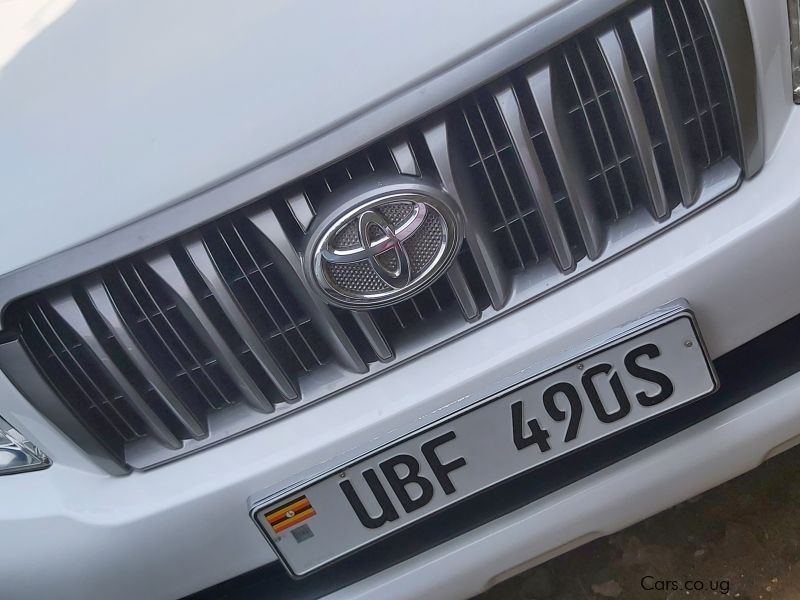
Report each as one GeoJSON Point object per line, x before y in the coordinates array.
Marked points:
{"type": "Point", "coordinates": [535, 434]}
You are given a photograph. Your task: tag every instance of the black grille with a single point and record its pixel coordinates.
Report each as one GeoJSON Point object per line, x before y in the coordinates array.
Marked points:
{"type": "Point", "coordinates": [605, 136]}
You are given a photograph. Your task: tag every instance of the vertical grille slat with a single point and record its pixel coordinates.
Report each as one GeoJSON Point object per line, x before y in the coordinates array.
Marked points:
{"type": "Point", "coordinates": [591, 147]}
{"type": "Point", "coordinates": [605, 120]}
{"type": "Point", "coordinates": [293, 322]}
{"type": "Point", "coordinates": [611, 49]}
{"type": "Point", "coordinates": [404, 159]}
{"type": "Point", "coordinates": [517, 215]}
{"type": "Point", "coordinates": [563, 144]}
{"type": "Point", "coordinates": [67, 308]}
{"type": "Point", "coordinates": [464, 296]}
{"type": "Point", "coordinates": [397, 317]}
{"type": "Point", "coordinates": [162, 341]}
{"type": "Point", "coordinates": [597, 162]}
{"type": "Point", "coordinates": [203, 261]}
{"type": "Point", "coordinates": [452, 172]}
{"type": "Point", "coordinates": [330, 329]}
{"type": "Point", "coordinates": [415, 306]}
{"type": "Point", "coordinates": [301, 208]}
{"type": "Point", "coordinates": [643, 28]}
{"type": "Point", "coordinates": [510, 110]}
{"type": "Point", "coordinates": [164, 266]}
{"type": "Point", "coordinates": [186, 414]}
{"type": "Point", "coordinates": [482, 161]}
{"type": "Point", "coordinates": [732, 67]}
{"type": "Point", "coordinates": [436, 301]}
{"type": "Point", "coordinates": [281, 320]}
{"type": "Point", "coordinates": [694, 38]}
{"type": "Point", "coordinates": [689, 65]}
{"type": "Point", "coordinates": [162, 323]}
{"type": "Point", "coordinates": [374, 336]}
{"type": "Point", "coordinates": [87, 386]}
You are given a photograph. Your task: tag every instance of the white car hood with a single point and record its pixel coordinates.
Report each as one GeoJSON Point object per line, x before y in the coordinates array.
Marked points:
{"type": "Point", "coordinates": [113, 110]}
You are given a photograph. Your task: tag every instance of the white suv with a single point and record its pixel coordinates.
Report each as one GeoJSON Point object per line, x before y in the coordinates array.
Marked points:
{"type": "Point", "coordinates": [384, 301]}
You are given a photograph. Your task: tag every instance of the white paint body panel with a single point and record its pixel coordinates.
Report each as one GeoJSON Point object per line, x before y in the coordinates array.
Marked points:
{"type": "Point", "coordinates": [117, 109]}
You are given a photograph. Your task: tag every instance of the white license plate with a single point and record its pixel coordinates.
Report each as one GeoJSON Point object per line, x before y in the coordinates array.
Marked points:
{"type": "Point", "coordinates": [643, 373]}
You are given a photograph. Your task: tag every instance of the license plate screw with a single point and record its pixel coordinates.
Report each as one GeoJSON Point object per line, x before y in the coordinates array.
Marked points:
{"type": "Point", "coordinates": [688, 343]}
{"type": "Point", "coordinates": [342, 475]}
{"type": "Point", "coordinates": [579, 366]}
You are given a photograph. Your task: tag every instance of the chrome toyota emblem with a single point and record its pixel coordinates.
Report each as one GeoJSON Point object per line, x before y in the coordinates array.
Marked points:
{"type": "Point", "coordinates": [385, 248]}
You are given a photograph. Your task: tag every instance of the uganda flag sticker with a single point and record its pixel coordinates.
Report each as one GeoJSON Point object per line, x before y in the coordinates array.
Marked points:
{"type": "Point", "coordinates": [290, 514]}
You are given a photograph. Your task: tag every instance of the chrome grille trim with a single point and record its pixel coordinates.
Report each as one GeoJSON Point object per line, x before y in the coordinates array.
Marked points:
{"type": "Point", "coordinates": [564, 148]}
{"type": "Point", "coordinates": [644, 146]}
{"type": "Point", "coordinates": [187, 303]}
{"type": "Point", "coordinates": [203, 261]}
{"type": "Point", "coordinates": [734, 47]}
{"type": "Point", "coordinates": [568, 159]}
{"type": "Point", "coordinates": [543, 202]}
{"type": "Point", "coordinates": [266, 222]}
{"type": "Point", "coordinates": [99, 303]}
{"type": "Point", "coordinates": [455, 181]}
{"type": "Point", "coordinates": [644, 34]}
{"type": "Point", "coordinates": [70, 312]}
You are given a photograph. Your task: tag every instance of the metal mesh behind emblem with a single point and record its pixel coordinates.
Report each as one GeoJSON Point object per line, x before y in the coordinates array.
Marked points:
{"type": "Point", "coordinates": [357, 277]}
{"type": "Point", "coordinates": [423, 247]}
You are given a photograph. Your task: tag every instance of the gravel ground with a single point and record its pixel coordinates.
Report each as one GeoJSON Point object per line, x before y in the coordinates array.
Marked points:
{"type": "Point", "coordinates": [739, 540]}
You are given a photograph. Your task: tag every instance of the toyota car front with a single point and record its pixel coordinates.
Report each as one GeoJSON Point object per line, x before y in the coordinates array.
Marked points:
{"type": "Point", "coordinates": [374, 301]}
